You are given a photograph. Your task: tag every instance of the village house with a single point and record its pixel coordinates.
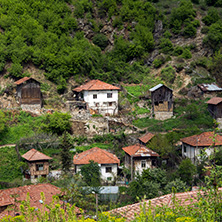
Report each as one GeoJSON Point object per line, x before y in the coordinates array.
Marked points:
{"type": "Point", "coordinates": [138, 158]}
{"type": "Point", "coordinates": [145, 139]}
{"type": "Point", "coordinates": [38, 165]}
{"type": "Point", "coordinates": [107, 161]}
{"type": "Point", "coordinates": [162, 102]}
{"type": "Point", "coordinates": [8, 197]}
{"type": "Point", "coordinates": [28, 93]}
{"type": "Point", "coordinates": [215, 109]}
{"type": "Point", "coordinates": [100, 97]}
{"type": "Point", "coordinates": [209, 89]}
{"type": "Point", "coordinates": [193, 146]}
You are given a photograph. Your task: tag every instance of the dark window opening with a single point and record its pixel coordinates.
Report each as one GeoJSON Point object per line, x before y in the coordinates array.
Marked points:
{"type": "Point", "coordinates": [94, 96]}
{"type": "Point", "coordinates": [108, 169]}
{"type": "Point", "coordinates": [109, 95]}
{"type": "Point", "coordinates": [143, 163]}
{"type": "Point", "coordinates": [39, 167]}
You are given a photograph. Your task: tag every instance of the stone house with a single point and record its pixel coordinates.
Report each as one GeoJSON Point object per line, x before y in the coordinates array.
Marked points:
{"type": "Point", "coordinates": [145, 139]}
{"type": "Point", "coordinates": [28, 93]}
{"type": "Point", "coordinates": [107, 161]}
{"type": "Point", "coordinates": [38, 165]}
{"type": "Point", "coordinates": [162, 102]}
{"type": "Point", "coordinates": [139, 157]}
{"type": "Point", "coordinates": [193, 146]}
{"type": "Point", "coordinates": [100, 97]}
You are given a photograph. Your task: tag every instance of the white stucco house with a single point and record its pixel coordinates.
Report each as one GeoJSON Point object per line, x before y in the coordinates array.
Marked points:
{"type": "Point", "coordinates": [107, 161]}
{"type": "Point", "coordinates": [139, 157]}
{"type": "Point", "coordinates": [192, 146]}
{"type": "Point", "coordinates": [99, 96]}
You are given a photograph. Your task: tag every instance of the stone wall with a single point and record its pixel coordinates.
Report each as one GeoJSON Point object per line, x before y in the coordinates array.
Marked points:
{"type": "Point", "coordinates": [163, 115]}
{"type": "Point", "coordinates": [219, 121]}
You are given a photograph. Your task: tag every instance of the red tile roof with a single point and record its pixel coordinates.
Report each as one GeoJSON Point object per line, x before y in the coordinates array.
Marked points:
{"type": "Point", "coordinates": [215, 100]}
{"type": "Point", "coordinates": [33, 155]}
{"type": "Point", "coordinates": [139, 150]}
{"type": "Point", "coordinates": [96, 85]}
{"type": "Point", "coordinates": [146, 138]}
{"type": "Point", "coordinates": [204, 139]}
{"type": "Point", "coordinates": [97, 155]}
{"type": "Point", "coordinates": [184, 199]}
{"type": "Point", "coordinates": [34, 192]}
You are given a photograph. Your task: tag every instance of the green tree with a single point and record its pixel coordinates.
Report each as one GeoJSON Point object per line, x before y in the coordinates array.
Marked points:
{"type": "Point", "coordinates": [2, 121]}
{"type": "Point", "coordinates": [211, 17]}
{"type": "Point", "coordinates": [56, 123]}
{"type": "Point", "coordinates": [66, 157]}
{"type": "Point", "coordinates": [168, 74]}
{"type": "Point", "coordinates": [186, 171]}
{"type": "Point", "coordinates": [91, 174]}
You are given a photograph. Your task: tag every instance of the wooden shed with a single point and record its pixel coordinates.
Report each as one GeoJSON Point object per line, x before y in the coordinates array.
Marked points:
{"type": "Point", "coordinates": [28, 91]}
{"type": "Point", "coordinates": [162, 101]}
{"type": "Point", "coordinates": [215, 107]}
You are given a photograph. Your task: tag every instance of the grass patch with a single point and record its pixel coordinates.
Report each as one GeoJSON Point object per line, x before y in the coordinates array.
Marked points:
{"type": "Point", "coordinates": [99, 145]}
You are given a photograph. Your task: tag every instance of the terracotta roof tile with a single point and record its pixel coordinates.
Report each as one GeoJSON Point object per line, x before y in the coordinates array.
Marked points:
{"type": "Point", "coordinates": [204, 139]}
{"type": "Point", "coordinates": [139, 150]}
{"type": "Point", "coordinates": [184, 199]}
{"type": "Point", "coordinates": [146, 138]}
{"type": "Point", "coordinates": [20, 81]}
{"type": "Point", "coordinates": [33, 155]}
{"type": "Point", "coordinates": [215, 100]}
{"type": "Point", "coordinates": [34, 192]}
{"type": "Point", "coordinates": [95, 85]}
{"type": "Point", "coordinates": [97, 155]}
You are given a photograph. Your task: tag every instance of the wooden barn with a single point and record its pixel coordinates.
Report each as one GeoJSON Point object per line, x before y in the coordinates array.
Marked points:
{"type": "Point", "coordinates": [162, 101]}
{"type": "Point", "coordinates": [28, 92]}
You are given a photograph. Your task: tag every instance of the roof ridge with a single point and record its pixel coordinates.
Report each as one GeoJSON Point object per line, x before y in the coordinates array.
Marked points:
{"type": "Point", "coordinates": [35, 151]}
{"type": "Point", "coordinates": [111, 155]}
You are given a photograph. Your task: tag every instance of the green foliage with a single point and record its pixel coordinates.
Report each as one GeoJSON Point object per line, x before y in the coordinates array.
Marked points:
{"type": "Point", "coordinates": [168, 74]}
{"type": "Point", "coordinates": [214, 36]}
{"type": "Point", "coordinates": [215, 66]}
{"type": "Point", "coordinates": [100, 40]}
{"type": "Point", "coordinates": [186, 54]}
{"type": "Point", "coordinates": [166, 45]}
{"type": "Point", "coordinates": [178, 50]}
{"type": "Point", "coordinates": [189, 31]}
{"type": "Point", "coordinates": [16, 70]}
{"type": "Point", "coordinates": [186, 171]}
{"type": "Point", "coordinates": [56, 123]}
{"type": "Point", "coordinates": [211, 17]}
{"type": "Point", "coordinates": [216, 3]}
{"type": "Point", "coordinates": [2, 121]}
{"type": "Point", "coordinates": [66, 157]}
{"type": "Point", "coordinates": [177, 184]}
{"type": "Point", "coordinates": [91, 174]}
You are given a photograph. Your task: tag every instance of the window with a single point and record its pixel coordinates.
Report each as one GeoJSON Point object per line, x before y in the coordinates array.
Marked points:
{"type": "Point", "coordinates": [108, 169]}
{"type": "Point", "coordinates": [110, 103]}
{"type": "Point", "coordinates": [109, 95]}
{"type": "Point", "coordinates": [185, 149]}
{"type": "Point", "coordinates": [109, 178]}
{"type": "Point", "coordinates": [94, 96]}
{"type": "Point", "coordinates": [143, 163]}
{"type": "Point", "coordinates": [39, 167]}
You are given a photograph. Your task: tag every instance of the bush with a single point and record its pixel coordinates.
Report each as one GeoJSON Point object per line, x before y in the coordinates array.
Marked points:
{"type": "Point", "coordinates": [100, 40]}
{"type": "Point", "coordinates": [178, 50]}
{"type": "Point", "coordinates": [158, 62]}
{"type": "Point", "coordinates": [168, 74]}
{"type": "Point", "coordinates": [211, 17]}
{"type": "Point", "coordinates": [16, 70]}
{"type": "Point", "coordinates": [205, 30]}
{"type": "Point", "coordinates": [166, 45]}
{"type": "Point", "coordinates": [189, 31]}
{"type": "Point", "coordinates": [186, 54]}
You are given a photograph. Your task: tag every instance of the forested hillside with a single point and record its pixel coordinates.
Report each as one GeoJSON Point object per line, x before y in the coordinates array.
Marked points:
{"type": "Point", "coordinates": [111, 40]}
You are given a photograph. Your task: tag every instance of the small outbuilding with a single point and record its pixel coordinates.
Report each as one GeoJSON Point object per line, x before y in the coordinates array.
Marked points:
{"type": "Point", "coordinates": [215, 109]}
{"type": "Point", "coordinates": [145, 139]}
{"type": "Point", "coordinates": [38, 165]}
{"type": "Point", "coordinates": [162, 102]}
{"type": "Point", "coordinates": [209, 89]}
{"type": "Point", "coordinates": [139, 157]}
{"type": "Point", "coordinates": [28, 92]}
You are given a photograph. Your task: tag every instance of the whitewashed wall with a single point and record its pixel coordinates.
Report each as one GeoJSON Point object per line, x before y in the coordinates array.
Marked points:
{"type": "Point", "coordinates": [102, 102]}
{"type": "Point", "coordinates": [138, 168]}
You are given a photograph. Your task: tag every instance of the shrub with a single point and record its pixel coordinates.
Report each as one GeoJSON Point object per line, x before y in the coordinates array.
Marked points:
{"type": "Point", "coordinates": [196, 23]}
{"type": "Point", "coordinates": [189, 31]}
{"type": "Point", "coordinates": [205, 30]}
{"type": "Point", "coordinates": [168, 74]}
{"type": "Point", "coordinates": [16, 70]}
{"type": "Point", "coordinates": [167, 34]}
{"type": "Point", "coordinates": [211, 17]}
{"type": "Point", "coordinates": [100, 40]}
{"type": "Point", "coordinates": [157, 63]}
{"type": "Point", "coordinates": [186, 54]}
{"type": "Point", "coordinates": [178, 50]}
{"type": "Point", "coordinates": [166, 45]}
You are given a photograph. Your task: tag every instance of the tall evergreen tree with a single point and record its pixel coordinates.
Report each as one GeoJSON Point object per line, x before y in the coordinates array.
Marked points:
{"type": "Point", "coordinates": [66, 158]}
